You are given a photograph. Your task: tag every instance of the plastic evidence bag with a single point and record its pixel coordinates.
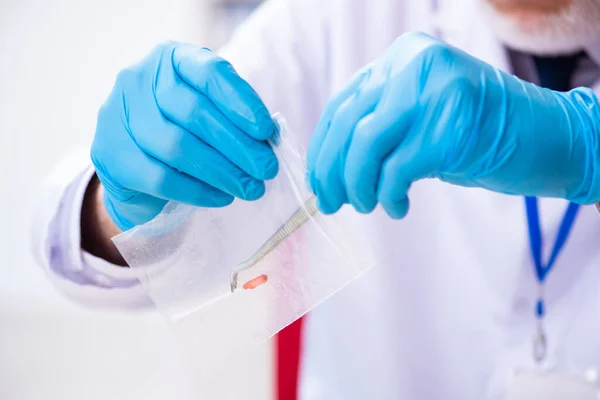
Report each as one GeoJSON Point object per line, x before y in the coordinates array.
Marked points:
{"type": "Point", "coordinates": [188, 255]}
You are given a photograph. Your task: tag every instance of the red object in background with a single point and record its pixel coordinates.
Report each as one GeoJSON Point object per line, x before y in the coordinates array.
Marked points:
{"type": "Point", "coordinates": [288, 361]}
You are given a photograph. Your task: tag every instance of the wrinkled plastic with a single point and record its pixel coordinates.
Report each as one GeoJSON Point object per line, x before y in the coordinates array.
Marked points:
{"type": "Point", "coordinates": [188, 255]}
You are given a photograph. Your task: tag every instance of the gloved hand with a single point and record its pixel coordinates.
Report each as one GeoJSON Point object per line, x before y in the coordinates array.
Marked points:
{"type": "Point", "coordinates": [427, 110]}
{"type": "Point", "coordinates": [181, 125]}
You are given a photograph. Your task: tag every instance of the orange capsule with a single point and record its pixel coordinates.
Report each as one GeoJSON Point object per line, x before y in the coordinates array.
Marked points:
{"type": "Point", "coordinates": [256, 282]}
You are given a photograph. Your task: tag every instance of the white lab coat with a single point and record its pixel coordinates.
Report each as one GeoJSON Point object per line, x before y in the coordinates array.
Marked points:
{"type": "Point", "coordinates": [448, 311]}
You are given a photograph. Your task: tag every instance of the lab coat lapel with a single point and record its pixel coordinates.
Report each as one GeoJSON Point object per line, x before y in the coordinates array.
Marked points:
{"type": "Point", "coordinates": [461, 24]}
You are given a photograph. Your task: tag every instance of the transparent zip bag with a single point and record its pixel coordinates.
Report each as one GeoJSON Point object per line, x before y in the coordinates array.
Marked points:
{"type": "Point", "coordinates": [230, 278]}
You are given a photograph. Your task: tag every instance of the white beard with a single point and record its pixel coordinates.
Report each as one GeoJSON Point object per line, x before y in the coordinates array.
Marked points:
{"type": "Point", "coordinates": [565, 32]}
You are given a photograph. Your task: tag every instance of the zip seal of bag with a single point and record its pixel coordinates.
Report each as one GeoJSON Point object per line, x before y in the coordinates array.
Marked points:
{"type": "Point", "coordinates": [227, 279]}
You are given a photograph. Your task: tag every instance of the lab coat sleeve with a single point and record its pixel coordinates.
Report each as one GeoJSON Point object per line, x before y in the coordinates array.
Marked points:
{"type": "Point", "coordinates": [275, 50]}
{"type": "Point", "coordinates": [57, 242]}
{"type": "Point", "coordinates": [282, 51]}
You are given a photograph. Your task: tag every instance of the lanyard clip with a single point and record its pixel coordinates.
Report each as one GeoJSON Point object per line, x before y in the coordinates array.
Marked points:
{"type": "Point", "coordinates": [540, 346]}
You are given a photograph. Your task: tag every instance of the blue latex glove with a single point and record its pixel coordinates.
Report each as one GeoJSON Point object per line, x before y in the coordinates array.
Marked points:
{"type": "Point", "coordinates": [181, 125]}
{"type": "Point", "coordinates": [425, 109]}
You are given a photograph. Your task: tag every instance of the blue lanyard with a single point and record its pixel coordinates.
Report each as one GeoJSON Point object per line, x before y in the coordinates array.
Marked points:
{"type": "Point", "coordinates": [536, 243]}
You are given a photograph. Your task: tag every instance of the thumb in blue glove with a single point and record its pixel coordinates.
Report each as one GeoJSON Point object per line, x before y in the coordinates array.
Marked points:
{"type": "Point", "coordinates": [425, 109]}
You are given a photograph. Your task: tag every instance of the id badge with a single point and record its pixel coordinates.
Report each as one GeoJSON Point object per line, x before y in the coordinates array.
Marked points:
{"type": "Point", "coordinates": [545, 385]}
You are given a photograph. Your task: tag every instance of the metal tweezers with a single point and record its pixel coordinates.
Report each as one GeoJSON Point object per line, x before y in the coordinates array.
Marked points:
{"type": "Point", "coordinates": [298, 219]}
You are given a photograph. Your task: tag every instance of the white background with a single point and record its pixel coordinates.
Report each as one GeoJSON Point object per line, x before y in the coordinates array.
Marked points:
{"type": "Point", "coordinates": [58, 59]}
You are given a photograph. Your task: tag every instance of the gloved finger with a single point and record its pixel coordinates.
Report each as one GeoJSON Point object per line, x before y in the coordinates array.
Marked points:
{"type": "Point", "coordinates": [329, 169]}
{"type": "Point", "coordinates": [137, 210]}
{"type": "Point", "coordinates": [182, 151]}
{"type": "Point", "coordinates": [374, 138]}
{"type": "Point", "coordinates": [410, 162]}
{"type": "Point", "coordinates": [192, 110]}
{"type": "Point", "coordinates": [141, 173]}
{"type": "Point", "coordinates": [233, 96]}
{"type": "Point", "coordinates": [320, 132]}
